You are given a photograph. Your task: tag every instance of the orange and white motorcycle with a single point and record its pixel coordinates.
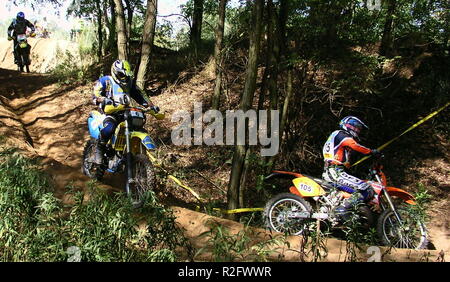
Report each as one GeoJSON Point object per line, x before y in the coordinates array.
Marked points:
{"type": "Point", "coordinates": [312, 198]}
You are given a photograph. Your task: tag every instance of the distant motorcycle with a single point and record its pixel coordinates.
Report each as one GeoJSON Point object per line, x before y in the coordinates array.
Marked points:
{"type": "Point", "coordinates": [23, 51]}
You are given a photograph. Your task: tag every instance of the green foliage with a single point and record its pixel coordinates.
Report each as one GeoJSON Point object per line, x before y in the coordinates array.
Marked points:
{"type": "Point", "coordinates": [68, 70]}
{"type": "Point", "coordinates": [74, 67]}
{"type": "Point", "coordinates": [224, 246]}
{"type": "Point", "coordinates": [36, 226]}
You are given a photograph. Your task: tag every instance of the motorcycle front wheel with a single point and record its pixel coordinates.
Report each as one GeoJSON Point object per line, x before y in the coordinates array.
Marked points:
{"type": "Point", "coordinates": [142, 180]}
{"type": "Point", "coordinates": [279, 210]}
{"type": "Point", "coordinates": [410, 233]}
{"type": "Point", "coordinates": [88, 167]}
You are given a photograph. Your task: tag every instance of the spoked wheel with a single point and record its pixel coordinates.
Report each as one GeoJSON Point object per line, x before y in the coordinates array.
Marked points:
{"type": "Point", "coordinates": [410, 234]}
{"type": "Point", "coordinates": [142, 181]}
{"type": "Point", "coordinates": [88, 167]}
{"type": "Point", "coordinates": [281, 214]}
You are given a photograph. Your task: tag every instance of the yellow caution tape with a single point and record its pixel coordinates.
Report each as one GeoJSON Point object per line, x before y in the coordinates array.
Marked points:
{"type": "Point", "coordinates": [177, 181]}
{"type": "Point", "coordinates": [155, 162]}
{"type": "Point", "coordinates": [406, 131]}
{"type": "Point", "coordinates": [239, 210]}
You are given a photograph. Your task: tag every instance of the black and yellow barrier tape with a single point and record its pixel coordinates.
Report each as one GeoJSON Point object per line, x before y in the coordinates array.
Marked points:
{"type": "Point", "coordinates": [406, 131]}
{"type": "Point", "coordinates": [158, 164]}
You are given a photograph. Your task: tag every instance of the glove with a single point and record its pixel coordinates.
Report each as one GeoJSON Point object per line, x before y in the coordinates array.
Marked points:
{"type": "Point", "coordinates": [10, 38]}
{"type": "Point", "coordinates": [107, 101]}
{"type": "Point", "coordinates": [377, 154]}
{"type": "Point", "coordinates": [33, 34]}
{"type": "Point", "coordinates": [155, 109]}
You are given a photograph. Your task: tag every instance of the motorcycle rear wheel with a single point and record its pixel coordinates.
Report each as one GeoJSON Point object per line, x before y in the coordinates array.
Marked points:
{"type": "Point", "coordinates": [144, 180]}
{"type": "Point", "coordinates": [411, 234]}
{"type": "Point", "coordinates": [276, 214]}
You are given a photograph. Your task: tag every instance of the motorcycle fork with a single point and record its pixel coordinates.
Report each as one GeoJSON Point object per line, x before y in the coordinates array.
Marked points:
{"type": "Point", "coordinates": [128, 155]}
{"type": "Point", "coordinates": [389, 200]}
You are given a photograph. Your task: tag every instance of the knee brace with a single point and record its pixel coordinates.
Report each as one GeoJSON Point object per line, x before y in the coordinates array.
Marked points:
{"type": "Point", "coordinates": [109, 125]}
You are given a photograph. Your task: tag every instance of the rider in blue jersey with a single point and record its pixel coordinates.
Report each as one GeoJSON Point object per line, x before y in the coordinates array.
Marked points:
{"type": "Point", "coordinates": [107, 90]}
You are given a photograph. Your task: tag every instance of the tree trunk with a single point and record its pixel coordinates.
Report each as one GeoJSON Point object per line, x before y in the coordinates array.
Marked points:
{"type": "Point", "coordinates": [122, 39]}
{"type": "Point", "coordinates": [387, 40]}
{"type": "Point", "coordinates": [218, 56]}
{"type": "Point", "coordinates": [99, 30]}
{"type": "Point", "coordinates": [112, 45]}
{"type": "Point", "coordinates": [245, 104]}
{"type": "Point", "coordinates": [129, 17]}
{"type": "Point", "coordinates": [147, 42]}
{"type": "Point", "coordinates": [196, 31]}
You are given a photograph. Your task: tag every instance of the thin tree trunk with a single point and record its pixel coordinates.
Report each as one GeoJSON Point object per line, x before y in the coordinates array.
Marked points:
{"type": "Point", "coordinates": [112, 45]}
{"type": "Point", "coordinates": [196, 31]}
{"type": "Point", "coordinates": [387, 39]}
{"type": "Point", "coordinates": [218, 56]}
{"type": "Point", "coordinates": [122, 39]}
{"type": "Point", "coordinates": [129, 17]}
{"type": "Point", "coordinates": [99, 30]}
{"type": "Point", "coordinates": [245, 104]}
{"type": "Point", "coordinates": [147, 42]}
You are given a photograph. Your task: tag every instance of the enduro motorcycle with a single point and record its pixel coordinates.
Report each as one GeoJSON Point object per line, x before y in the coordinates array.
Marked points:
{"type": "Point", "coordinates": [312, 198]}
{"type": "Point", "coordinates": [127, 151]}
{"type": "Point", "coordinates": [23, 50]}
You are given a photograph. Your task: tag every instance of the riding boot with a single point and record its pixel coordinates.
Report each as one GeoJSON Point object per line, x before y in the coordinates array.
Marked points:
{"type": "Point", "coordinates": [345, 210]}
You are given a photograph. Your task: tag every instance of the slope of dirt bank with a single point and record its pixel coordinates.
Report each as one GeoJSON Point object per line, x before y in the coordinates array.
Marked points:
{"type": "Point", "coordinates": [44, 53]}
{"type": "Point", "coordinates": [53, 120]}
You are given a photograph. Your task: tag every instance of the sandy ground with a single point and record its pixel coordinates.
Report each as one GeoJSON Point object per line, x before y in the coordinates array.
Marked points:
{"type": "Point", "coordinates": [44, 53]}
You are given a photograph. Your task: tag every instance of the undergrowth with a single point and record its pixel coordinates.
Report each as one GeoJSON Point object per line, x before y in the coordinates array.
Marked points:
{"type": "Point", "coordinates": [37, 226]}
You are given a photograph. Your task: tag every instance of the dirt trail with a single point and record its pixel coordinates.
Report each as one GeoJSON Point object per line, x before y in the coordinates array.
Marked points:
{"type": "Point", "coordinates": [44, 53]}
{"type": "Point", "coordinates": [49, 121]}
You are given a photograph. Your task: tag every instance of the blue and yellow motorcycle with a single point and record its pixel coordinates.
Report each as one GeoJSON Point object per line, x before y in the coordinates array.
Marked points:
{"type": "Point", "coordinates": [127, 151]}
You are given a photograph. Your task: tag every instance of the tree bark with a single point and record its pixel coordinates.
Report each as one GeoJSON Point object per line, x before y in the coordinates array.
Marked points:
{"type": "Point", "coordinates": [147, 42]}
{"type": "Point", "coordinates": [99, 30]}
{"type": "Point", "coordinates": [122, 38]}
{"type": "Point", "coordinates": [112, 45]}
{"type": "Point", "coordinates": [196, 31]}
{"type": "Point", "coordinates": [387, 40]}
{"type": "Point", "coordinates": [245, 104]}
{"type": "Point", "coordinates": [129, 17]}
{"type": "Point", "coordinates": [218, 56]}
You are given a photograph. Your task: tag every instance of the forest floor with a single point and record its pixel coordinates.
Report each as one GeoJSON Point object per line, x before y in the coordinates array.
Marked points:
{"type": "Point", "coordinates": [48, 120]}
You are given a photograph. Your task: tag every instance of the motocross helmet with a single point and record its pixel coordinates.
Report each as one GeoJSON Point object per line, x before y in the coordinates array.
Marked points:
{"type": "Point", "coordinates": [20, 16]}
{"type": "Point", "coordinates": [121, 72]}
{"type": "Point", "coordinates": [352, 125]}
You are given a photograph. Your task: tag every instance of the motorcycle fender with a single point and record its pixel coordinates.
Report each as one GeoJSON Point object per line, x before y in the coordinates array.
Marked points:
{"type": "Point", "coordinates": [307, 187]}
{"type": "Point", "coordinates": [402, 194]}
{"type": "Point", "coordinates": [280, 174]}
{"type": "Point", "coordinates": [146, 140]}
{"type": "Point", "coordinates": [110, 109]}
{"type": "Point", "coordinates": [95, 123]}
